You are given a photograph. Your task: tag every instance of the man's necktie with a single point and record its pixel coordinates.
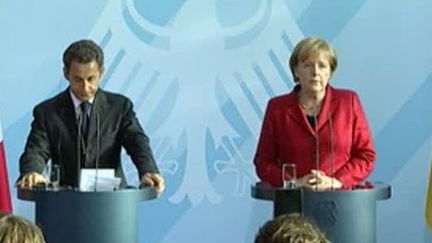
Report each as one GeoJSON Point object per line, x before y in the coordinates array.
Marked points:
{"type": "Point", "coordinates": [85, 113]}
{"type": "Point", "coordinates": [85, 107]}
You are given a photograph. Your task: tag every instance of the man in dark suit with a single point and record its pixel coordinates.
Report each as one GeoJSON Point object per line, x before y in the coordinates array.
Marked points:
{"type": "Point", "coordinates": [85, 127]}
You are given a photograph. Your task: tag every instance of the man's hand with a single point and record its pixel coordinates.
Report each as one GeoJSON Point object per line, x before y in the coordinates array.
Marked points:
{"type": "Point", "coordinates": [30, 179]}
{"type": "Point", "coordinates": [154, 179]}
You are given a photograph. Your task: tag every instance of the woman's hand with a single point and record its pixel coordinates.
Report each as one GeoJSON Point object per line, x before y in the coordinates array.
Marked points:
{"type": "Point", "coordinates": [318, 180]}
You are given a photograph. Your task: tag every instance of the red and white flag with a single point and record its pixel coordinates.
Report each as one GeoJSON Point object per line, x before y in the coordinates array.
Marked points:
{"type": "Point", "coordinates": [5, 199]}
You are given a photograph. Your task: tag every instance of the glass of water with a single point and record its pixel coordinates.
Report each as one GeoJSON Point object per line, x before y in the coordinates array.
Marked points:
{"type": "Point", "coordinates": [289, 176]}
{"type": "Point", "coordinates": [55, 176]}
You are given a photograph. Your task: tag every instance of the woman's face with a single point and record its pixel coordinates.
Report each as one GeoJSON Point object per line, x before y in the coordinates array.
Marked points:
{"type": "Point", "coordinates": [313, 73]}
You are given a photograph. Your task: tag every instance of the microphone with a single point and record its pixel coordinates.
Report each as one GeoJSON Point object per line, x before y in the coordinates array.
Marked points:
{"type": "Point", "coordinates": [97, 151]}
{"type": "Point", "coordinates": [79, 149]}
{"type": "Point", "coordinates": [317, 147]}
{"type": "Point", "coordinates": [332, 159]}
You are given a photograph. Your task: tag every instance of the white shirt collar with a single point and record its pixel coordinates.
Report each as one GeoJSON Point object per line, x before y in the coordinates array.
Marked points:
{"type": "Point", "coordinates": [78, 102]}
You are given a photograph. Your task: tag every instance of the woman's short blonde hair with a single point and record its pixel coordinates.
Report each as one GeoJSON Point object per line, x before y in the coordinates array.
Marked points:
{"type": "Point", "coordinates": [311, 47]}
{"type": "Point", "coordinates": [16, 229]}
{"type": "Point", "coordinates": [290, 229]}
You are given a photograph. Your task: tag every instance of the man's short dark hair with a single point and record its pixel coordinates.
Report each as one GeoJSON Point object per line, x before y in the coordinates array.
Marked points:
{"type": "Point", "coordinates": [83, 51]}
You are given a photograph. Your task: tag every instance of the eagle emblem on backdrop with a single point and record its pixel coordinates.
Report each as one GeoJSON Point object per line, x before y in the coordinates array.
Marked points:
{"type": "Point", "coordinates": [200, 73]}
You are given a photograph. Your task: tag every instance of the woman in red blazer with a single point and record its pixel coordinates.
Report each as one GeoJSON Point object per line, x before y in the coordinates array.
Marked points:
{"type": "Point", "coordinates": [320, 129]}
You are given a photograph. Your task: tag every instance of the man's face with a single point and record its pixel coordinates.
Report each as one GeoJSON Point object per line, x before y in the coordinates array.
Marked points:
{"type": "Point", "coordinates": [83, 78]}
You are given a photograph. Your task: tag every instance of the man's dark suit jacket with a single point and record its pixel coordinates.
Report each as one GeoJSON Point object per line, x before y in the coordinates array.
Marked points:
{"type": "Point", "coordinates": [54, 132]}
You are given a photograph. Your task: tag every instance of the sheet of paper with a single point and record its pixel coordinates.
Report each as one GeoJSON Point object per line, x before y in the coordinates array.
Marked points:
{"type": "Point", "coordinates": [101, 180]}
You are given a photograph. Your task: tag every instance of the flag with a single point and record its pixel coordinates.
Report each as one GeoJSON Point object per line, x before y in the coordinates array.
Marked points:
{"type": "Point", "coordinates": [5, 199]}
{"type": "Point", "coordinates": [428, 211]}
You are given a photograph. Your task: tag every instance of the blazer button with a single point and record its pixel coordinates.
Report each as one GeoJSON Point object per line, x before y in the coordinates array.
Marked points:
{"type": "Point", "coordinates": [313, 155]}
{"type": "Point", "coordinates": [313, 138]}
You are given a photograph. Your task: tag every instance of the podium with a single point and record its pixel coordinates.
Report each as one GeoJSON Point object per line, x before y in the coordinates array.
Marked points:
{"type": "Point", "coordinates": [344, 215]}
{"type": "Point", "coordinates": [87, 217]}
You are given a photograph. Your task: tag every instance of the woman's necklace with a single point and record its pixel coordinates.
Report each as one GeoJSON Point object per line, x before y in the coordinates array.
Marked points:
{"type": "Point", "coordinates": [310, 108]}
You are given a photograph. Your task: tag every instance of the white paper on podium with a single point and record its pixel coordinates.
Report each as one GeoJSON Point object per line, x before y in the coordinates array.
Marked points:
{"type": "Point", "coordinates": [106, 181]}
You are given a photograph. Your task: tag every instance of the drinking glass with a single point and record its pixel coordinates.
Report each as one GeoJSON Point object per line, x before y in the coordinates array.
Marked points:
{"type": "Point", "coordinates": [55, 176]}
{"type": "Point", "coordinates": [289, 176]}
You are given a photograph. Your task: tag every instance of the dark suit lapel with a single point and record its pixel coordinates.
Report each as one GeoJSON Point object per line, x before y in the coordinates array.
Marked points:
{"type": "Point", "coordinates": [100, 107]}
{"type": "Point", "coordinates": [67, 113]}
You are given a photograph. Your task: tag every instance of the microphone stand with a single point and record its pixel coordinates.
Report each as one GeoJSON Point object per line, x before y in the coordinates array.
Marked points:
{"type": "Point", "coordinates": [79, 150]}
{"type": "Point", "coordinates": [97, 151]}
{"type": "Point", "coordinates": [332, 161]}
{"type": "Point", "coordinates": [317, 147]}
